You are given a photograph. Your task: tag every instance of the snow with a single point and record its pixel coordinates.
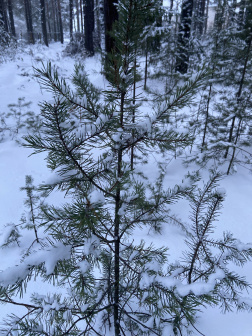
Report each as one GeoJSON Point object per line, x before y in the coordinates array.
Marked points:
{"type": "Point", "coordinates": [84, 266]}
{"type": "Point", "coordinates": [97, 197]}
{"type": "Point", "coordinates": [50, 257]}
{"type": "Point", "coordinates": [17, 80]}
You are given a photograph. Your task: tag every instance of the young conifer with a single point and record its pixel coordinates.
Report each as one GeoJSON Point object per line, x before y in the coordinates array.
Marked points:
{"type": "Point", "coordinates": [110, 283]}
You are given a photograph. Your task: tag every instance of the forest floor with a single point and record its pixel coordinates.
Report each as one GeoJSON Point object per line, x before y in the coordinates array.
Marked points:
{"type": "Point", "coordinates": [17, 81]}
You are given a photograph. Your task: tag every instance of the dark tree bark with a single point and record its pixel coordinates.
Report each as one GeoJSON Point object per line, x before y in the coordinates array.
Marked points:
{"type": "Point", "coordinates": [28, 17]}
{"type": "Point", "coordinates": [171, 11]}
{"type": "Point", "coordinates": [89, 25]}
{"type": "Point", "coordinates": [3, 16]}
{"type": "Point", "coordinates": [60, 22]}
{"type": "Point", "coordinates": [71, 18]}
{"type": "Point", "coordinates": [184, 36]}
{"type": "Point", "coordinates": [110, 16]}
{"type": "Point", "coordinates": [219, 19]}
{"type": "Point", "coordinates": [55, 25]}
{"type": "Point", "coordinates": [241, 15]}
{"type": "Point", "coordinates": [98, 28]}
{"type": "Point", "coordinates": [81, 14]}
{"type": "Point", "coordinates": [206, 18]}
{"type": "Point", "coordinates": [248, 39]}
{"type": "Point", "coordinates": [77, 15]}
{"type": "Point", "coordinates": [12, 25]}
{"type": "Point", "coordinates": [43, 21]}
{"type": "Point", "coordinates": [200, 16]}
{"type": "Point", "coordinates": [48, 21]}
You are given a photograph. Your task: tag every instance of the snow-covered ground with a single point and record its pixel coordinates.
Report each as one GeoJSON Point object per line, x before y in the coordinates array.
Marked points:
{"type": "Point", "coordinates": [17, 81]}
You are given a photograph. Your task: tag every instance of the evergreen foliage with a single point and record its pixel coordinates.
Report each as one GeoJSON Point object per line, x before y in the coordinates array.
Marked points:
{"type": "Point", "coordinates": [103, 280]}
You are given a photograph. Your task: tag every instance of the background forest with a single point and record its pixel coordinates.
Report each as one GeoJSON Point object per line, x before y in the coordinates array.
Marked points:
{"type": "Point", "coordinates": [141, 117]}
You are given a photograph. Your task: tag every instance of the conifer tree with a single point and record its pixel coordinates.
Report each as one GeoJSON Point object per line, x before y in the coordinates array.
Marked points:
{"type": "Point", "coordinates": [225, 133]}
{"type": "Point", "coordinates": [112, 284]}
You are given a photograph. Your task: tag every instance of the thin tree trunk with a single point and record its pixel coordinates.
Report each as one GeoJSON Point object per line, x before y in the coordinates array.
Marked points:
{"type": "Point", "coordinates": [133, 117]}
{"type": "Point", "coordinates": [207, 117]}
{"type": "Point", "coordinates": [235, 143]}
{"type": "Point", "coordinates": [146, 66]}
{"type": "Point", "coordinates": [54, 12]}
{"type": "Point", "coordinates": [239, 93]}
{"type": "Point", "coordinates": [3, 16]}
{"type": "Point", "coordinates": [171, 11]}
{"type": "Point", "coordinates": [28, 16]}
{"type": "Point", "coordinates": [219, 18]}
{"type": "Point", "coordinates": [77, 15]}
{"type": "Point", "coordinates": [117, 231]}
{"type": "Point", "coordinates": [12, 25]}
{"type": "Point", "coordinates": [48, 21]}
{"type": "Point", "coordinates": [89, 25]}
{"type": "Point", "coordinates": [43, 21]}
{"type": "Point", "coordinates": [182, 59]}
{"type": "Point", "coordinates": [110, 16]}
{"type": "Point", "coordinates": [206, 18]}
{"type": "Point", "coordinates": [98, 22]}
{"type": "Point", "coordinates": [82, 16]}
{"type": "Point", "coordinates": [241, 15]}
{"type": "Point", "coordinates": [201, 16]}
{"type": "Point", "coordinates": [71, 19]}
{"type": "Point", "coordinates": [60, 22]}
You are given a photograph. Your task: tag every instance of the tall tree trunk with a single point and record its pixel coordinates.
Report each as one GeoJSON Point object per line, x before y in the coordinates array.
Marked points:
{"type": "Point", "coordinates": [171, 10]}
{"type": "Point", "coordinates": [219, 18]}
{"type": "Point", "coordinates": [248, 29]}
{"type": "Point", "coordinates": [77, 15]}
{"type": "Point", "coordinates": [43, 21]}
{"type": "Point", "coordinates": [110, 16]}
{"type": "Point", "coordinates": [12, 25]}
{"type": "Point", "coordinates": [201, 16]}
{"type": "Point", "coordinates": [71, 19]}
{"type": "Point", "coordinates": [82, 16]}
{"type": "Point", "coordinates": [3, 16]}
{"type": "Point", "coordinates": [117, 229]}
{"type": "Point", "coordinates": [206, 18]}
{"type": "Point", "coordinates": [60, 22]}
{"type": "Point", "coordinates": [28, 17]}
{"type": "Point", "coordinates": [55, 26]}
{"type": "Point", "coordinates": [241, 15]}
{"type": "Point", "coordinates": [184, 34]}
{"type": "Point", "coordinates": [48, 21]}
{"type": "Point", "coordinates": [98, 22]}
{"type": "Point", "coordinates": [89, 25]}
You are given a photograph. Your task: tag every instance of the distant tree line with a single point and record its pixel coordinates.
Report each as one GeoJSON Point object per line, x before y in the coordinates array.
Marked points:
{"type": "Point", "coordinates": [92, 20]}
